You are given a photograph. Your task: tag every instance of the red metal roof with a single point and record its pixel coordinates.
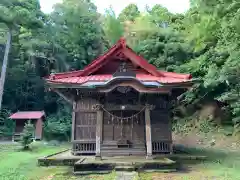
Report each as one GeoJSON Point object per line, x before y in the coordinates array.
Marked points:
{"type": "Point", "coordinates": [28, 115]}
{"type": "Point", "coordinates": [107, 77]}
{"type": "Point", "coordinates": [83, 76]}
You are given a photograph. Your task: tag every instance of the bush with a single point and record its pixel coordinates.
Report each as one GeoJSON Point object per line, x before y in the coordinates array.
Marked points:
{"type": "Point", "coordinates": [57, 128]}
{"type": "Point", "coordinates": [6, 125]}
{"type": "Point", "coordinates": [27, 135]}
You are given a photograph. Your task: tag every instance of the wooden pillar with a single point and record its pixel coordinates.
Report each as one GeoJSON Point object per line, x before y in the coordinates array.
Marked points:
{"type": "Point", "coordinates": [73, 125]}
{"type": "Point", "coordinates": [73, 120]}
{"type": "Point", "coordinates": [148, 130]}
{"type": "Point", "coordinates": [169, 105]}
{"type": "Point", "coordinates": [99, 124]}
{"type": "Point", "coordinates": [170, 130]}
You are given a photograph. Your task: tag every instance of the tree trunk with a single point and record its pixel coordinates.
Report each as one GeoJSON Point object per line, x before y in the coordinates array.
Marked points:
{"type": "Point", "coordinates": [4, 65]}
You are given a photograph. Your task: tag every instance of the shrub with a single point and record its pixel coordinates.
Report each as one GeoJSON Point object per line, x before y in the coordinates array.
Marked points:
{"type": "Point", "coordinates": [27, 135]}
{"type": "Point", "coordinates": [57, 128]}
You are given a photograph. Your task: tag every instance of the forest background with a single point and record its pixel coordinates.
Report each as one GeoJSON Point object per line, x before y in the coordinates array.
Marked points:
{"type": "Point", "coordinates": [204, 41]}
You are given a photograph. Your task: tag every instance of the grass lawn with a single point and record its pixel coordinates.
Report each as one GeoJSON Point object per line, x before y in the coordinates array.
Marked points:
{"type": "Point", "coordinates": [220, 166]}
{"type": "Point", "coordinates": [19, 165]}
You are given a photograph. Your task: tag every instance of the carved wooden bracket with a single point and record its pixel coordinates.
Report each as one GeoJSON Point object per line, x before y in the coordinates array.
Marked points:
{"type": "Point", "coordinates": [97, 107]}
{"type": "Point", "coordinates": [150, 107]}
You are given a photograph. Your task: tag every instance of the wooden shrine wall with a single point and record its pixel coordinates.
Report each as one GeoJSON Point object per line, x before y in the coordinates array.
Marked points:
{"type": "Point", "coordinates": [86, 118]}
{"type": "Point", "coordinates": [161, 126]}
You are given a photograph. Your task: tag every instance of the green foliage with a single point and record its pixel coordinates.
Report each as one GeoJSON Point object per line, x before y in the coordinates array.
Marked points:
{"type": "Point", "coordinates": [27, 135]}
{"type": "Point", "coordinates": [204, 42]}
{"type": "Point", "coordinates": [58, 126]}
{"type": "Point", "coordinates": [129, 13]}
{"type": "Point", "coordinates": [6, 126]}
{"type": "Point", "coordinates": [112, 27]}
{"type": "Point", "coordinates": [212, 29]}
{"type": "Point", "coordinates": [78, 30]}
{"type": "Point", "coordinates": [161, 16]}
{"type": "Point", "coordinates": [69, 38]}
{"type": "Point", "coordinates": [17, 13]}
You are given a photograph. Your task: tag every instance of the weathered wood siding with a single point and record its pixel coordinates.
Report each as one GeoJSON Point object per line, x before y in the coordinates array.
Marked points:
{"type": "Point", "coordinates": [86, 117]}
{"type": "Point", "coordinates": [84, 141]}
{"type": "Point", "coordinates": [161, 126]}
{"type": "Point", "coordinates": [39, 127]}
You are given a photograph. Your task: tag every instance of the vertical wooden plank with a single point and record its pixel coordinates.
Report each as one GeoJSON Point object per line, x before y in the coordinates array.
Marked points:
{"type": "Point", "coordinates": [170, 127]}
{"type": "Point", "coordinates": [99, 123]}
{"type": "Point", "coordinates": [38, 129]}
{"type": "Point", "coordinates": [73, 120]}
{"type": "Point", "coordinates": [148, 131]}
{"type": "Point", "coordinates": [100, 114]}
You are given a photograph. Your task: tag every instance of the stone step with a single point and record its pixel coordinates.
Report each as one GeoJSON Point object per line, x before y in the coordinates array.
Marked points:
{"type": "Point", "coordinates": [126, 175]}
{"type": "Point", "coordinates": [91, 172]}
{"type": "Point", "coordinates": [123, 149]}
{"type": "Point", "coordinates": [124, 168]}
{"type": "Point", "coordinates": [134, 145]}
{"type": "Point", "coordinates": [125, 164]}
{"type": "Point", "coordinates": [116, 147]}
{"type": "Point", "coordinates": [123, 153]}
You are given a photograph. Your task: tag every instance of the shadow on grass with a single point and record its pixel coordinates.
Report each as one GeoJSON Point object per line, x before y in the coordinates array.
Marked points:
{"type": "Point", "coordinates": [66, 173]}
{"type": "Point", "coordinates": [212, 156]}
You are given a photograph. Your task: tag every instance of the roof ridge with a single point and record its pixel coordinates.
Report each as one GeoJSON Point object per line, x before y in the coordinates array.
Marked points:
{"type": "Point", "coordinates": [129, 53]}
{"type": "Point", "coordinates": [64, 74]}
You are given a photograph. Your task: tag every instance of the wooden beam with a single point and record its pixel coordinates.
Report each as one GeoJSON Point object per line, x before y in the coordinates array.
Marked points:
{"type": "Point", "coordinates": [148, 131]}
{"type": "Point", "coordinates": [99, 124]}
{"type": "Point", "coordinates": [70, 100]}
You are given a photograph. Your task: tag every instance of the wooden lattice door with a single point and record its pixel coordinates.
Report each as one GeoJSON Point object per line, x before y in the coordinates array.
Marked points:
{"type": "Point", "coordinates": [86, 126]}
{"type": "Point", "coordinates": [131, 129]}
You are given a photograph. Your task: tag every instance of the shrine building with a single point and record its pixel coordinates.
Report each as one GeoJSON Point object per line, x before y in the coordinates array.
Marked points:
{"type": "Point", "coordinates": [121, 104]}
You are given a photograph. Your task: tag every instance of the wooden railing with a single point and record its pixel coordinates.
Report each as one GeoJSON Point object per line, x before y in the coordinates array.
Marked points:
{"type": "Point", "coordinates": [84, 148]}
{"type": "Point", "coordinates": [161, 146]}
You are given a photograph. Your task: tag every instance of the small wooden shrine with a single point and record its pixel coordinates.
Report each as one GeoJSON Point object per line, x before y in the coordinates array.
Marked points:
{"type": "Point", "coordinates": [21, 118]}
{"type": "Point", "coordinates": [121, 104]}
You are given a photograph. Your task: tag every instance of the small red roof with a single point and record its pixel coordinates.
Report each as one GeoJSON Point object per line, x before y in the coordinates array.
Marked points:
{"type": "Point", "coordinates": [86, 75]}
{"type": "Point", "coordinates": [28, 115]}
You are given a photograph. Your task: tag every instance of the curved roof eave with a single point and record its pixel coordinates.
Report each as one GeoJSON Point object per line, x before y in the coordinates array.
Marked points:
{"type": "Point", "coordinates": [97, 84]}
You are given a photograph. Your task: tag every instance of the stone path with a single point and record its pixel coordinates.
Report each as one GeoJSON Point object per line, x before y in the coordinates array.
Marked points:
{"type": "Point", "coordinates": [123, 175]}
